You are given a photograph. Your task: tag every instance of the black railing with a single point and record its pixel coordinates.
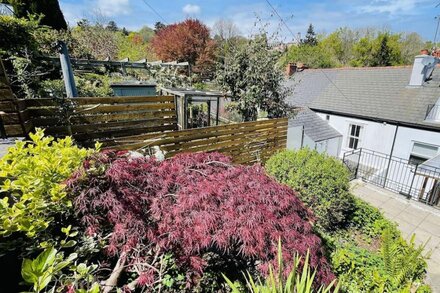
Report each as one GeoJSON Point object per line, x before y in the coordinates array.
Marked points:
{"type": "Point", "coordinates": [418, 182]}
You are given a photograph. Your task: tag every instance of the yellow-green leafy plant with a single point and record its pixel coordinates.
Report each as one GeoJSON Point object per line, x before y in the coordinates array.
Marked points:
{"type": "Point", "coordinates": [31, 188]}
{"type": "Point", "coordinates": [301, 279]}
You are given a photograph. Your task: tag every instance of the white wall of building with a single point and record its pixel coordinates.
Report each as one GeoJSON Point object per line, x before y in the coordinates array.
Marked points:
{"type": "Point", "coordinates": [379, 137]}
{"type": "Point", "coordinates": [374, 136]}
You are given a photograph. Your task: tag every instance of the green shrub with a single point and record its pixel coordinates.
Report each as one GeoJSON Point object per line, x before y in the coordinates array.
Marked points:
{"type": "Point", "coordinates": [397, 265]}
{"type": "Point", "coordinates": [31, 189]}
{"type": "Point", "coordinates": [88, 85]}
{"type": "Point", "coordinates": [370, 221]}
{"type": "Point", "coordinates": [322, 183]}
{"type": "Point", "coordinates": [17, 35]}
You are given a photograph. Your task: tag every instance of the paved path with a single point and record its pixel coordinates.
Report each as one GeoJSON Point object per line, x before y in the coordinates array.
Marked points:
{"type": "Point", "coordinates": [5, 144]}
{"type": "Point", "coordinates": [412, 217]}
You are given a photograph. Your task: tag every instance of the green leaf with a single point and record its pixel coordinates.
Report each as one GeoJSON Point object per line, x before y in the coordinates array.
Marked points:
{"type": "Point", "coordinates": [27, 272]}
{"type": "Point", "coordinates": [44, 260]}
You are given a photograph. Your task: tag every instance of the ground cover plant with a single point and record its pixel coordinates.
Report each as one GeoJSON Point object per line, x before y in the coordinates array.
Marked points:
{"type": "Point", "coordinates": [366, 250]}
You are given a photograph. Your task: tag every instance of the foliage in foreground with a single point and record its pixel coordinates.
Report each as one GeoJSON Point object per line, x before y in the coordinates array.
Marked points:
{"type": "Point", "coordinates": [321, 181]}
{"type": "Point", "coordinates": [31, 191]}
{"type": "Point", "coordinates": [367, 252]}
{"type": "Point", "coordinates": [300, 279]}
{"type": "Point", "coordinates": [211, 215]}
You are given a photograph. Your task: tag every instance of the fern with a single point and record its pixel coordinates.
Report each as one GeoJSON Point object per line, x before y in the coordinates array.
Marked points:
{"type": "Point", "coordinates": [403, 262]}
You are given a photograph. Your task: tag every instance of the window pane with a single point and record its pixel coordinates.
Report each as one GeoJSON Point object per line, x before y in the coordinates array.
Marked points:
{"type": "Point", "coordinates": [425, 151]}
{"type": "Point", "coordinates": [358, 130]}
{"type": "Point", "coordinates": [352, 129]}
{"type": "Point", "coordinates": [414, 160]}
{"type": "Point", "coordinates": [355, 142]}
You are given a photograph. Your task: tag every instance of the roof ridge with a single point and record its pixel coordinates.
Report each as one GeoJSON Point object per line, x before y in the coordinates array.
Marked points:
{"type": "Point", "coordinates": [361, 68]}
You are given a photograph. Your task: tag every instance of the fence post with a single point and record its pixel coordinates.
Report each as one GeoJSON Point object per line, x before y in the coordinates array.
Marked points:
{"type": "Point", "coordinates": [386, 173]}
{"type": "Point", "coordinates": [412, 181]}
{"type": "Point", "coordinates": [359, 161]}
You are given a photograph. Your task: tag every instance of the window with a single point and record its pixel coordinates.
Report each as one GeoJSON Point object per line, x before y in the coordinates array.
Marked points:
{"type": "Point", "coordinates": [421, 152]}
{"type": "Point", "coordinates": [354, 134]}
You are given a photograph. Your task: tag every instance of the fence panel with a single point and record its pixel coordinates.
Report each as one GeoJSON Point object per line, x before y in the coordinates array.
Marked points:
{"type": "Point", "coordinates": [90, 119]}
{"type": "Point", "coordinates": [247, 142]}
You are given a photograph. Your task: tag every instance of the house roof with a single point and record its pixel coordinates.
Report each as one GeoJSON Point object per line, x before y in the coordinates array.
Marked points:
{"type": "Point", "coordinates": [378, 93]}
{"type": "Point", "coordinates": [314, 127]}
{"type": "Point", "coordinates": [430, 168]}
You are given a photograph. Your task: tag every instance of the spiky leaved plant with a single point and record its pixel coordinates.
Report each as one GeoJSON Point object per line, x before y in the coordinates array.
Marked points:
{"type": "Point", "coordinates": [301, 279]}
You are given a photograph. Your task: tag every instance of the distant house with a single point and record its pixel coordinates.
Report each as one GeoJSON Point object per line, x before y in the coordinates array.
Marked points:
{"type": "Point", "coordinates": [391, 110]}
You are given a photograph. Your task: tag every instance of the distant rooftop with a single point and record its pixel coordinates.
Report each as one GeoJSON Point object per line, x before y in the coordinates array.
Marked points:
{"type": "Point", "coordinates": [380, 93]}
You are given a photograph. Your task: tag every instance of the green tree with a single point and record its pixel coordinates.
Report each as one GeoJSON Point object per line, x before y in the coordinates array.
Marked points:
{"type": "Point", "coordinates": [362, 52]}
{"type": "Point", "coordinates": [50, 9]}
{"type": "Point", "coordinates": [313, 56]}
{"type": "Point", "coordinates": [411, 44]}
{"type": "Point", "coordinates": [158, 26]}
{"type": "Point", "coordinates": [250, 73]}
{"type": "Point", "coordinates": [112, 26]}
{"type": "Point", "coordinates": [146, 33]}
{"type": "Point", "coordinates": [310, 38]}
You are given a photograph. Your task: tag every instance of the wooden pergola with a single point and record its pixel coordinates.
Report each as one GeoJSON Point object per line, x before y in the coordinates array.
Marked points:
{"type": "Point", "coordinates": [185, 96]}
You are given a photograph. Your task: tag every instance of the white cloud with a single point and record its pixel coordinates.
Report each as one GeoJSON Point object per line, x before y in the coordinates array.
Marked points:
{"type": "Point", "coordinates": [392, 7]}
{"type": "Point", "coordinates": [113, 7]}
{"type": "Point", "coordinates": [191, 9]}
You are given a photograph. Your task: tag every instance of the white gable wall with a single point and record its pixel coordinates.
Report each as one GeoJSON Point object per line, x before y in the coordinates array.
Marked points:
{"type": "Point", "coordinates": [379, 137]}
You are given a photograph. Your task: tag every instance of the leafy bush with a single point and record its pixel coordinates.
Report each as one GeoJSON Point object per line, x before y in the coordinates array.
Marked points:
{"type": "Point", "coordinates": [88, 85]}
{"type": "Point", "coordinates": [17, 35]}
{"type": "Point", "coordinates": [31, 188]}
{"type": "Point", "coordinates": [398, 266]}
{"type": "Point", "coordinates": [370, 221]}
{"type": "Point", "coordinates": [208, 213]}
{"type": "Point", "coordinates": [321, 182]}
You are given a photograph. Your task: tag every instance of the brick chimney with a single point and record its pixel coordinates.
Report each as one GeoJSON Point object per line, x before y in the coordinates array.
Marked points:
{"type": "Point", "coordinates": [291, 69]}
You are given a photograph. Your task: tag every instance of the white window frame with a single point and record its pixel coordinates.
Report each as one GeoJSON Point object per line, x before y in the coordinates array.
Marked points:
{"type": "Point", "coordinates": [418, 155]}
{"type": "Point", "coordinates": [358, 138]}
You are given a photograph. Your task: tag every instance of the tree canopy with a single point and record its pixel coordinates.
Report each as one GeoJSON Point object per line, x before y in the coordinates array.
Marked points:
{"type": "Point", "coordinates": [49, 9]}
{"type": "Point", "coordinates": [186, 41]}
{"type": "Point", "coordinates": [251, 74]}
{"type": "Point", "coordinates": [361, 47]}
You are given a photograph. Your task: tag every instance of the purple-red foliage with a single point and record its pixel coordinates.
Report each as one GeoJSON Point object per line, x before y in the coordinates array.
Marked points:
{"type": "Point", "coordinates": [190, 205]}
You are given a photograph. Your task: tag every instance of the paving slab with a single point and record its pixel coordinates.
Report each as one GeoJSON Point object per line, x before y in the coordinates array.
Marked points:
{"type": "Point", "coordinates": [412, 218]}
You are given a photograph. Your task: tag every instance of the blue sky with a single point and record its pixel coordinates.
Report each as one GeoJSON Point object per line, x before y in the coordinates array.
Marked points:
{"type": "Point", "coordinates": [397, 15]}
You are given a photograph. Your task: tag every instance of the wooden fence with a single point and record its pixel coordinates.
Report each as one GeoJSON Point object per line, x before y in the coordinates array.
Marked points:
{"type": "Point", "coordinates": [90, 119]}
{"type": "Point", "coordinates": [246, 143]}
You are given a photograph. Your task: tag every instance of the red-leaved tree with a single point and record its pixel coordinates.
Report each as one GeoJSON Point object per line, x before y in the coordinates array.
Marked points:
{"type": "Point", "coordinates": [198, 207]}
{"type": "Point", "coordinates": [186, 41]}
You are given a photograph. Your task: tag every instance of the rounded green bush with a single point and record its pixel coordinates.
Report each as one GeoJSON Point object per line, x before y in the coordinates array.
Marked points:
{"type": "Point", "coordinates": [322, 182]}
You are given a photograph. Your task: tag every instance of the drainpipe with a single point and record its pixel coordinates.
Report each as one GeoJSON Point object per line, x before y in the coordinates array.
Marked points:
{"type": "Point", "coordinates": [66, 67]}
{"type": "Point", "coordinates": [391, 155]}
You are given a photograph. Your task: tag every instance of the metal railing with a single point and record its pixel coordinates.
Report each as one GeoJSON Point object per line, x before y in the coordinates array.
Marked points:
{"type": "Point", "coordinates": [395, 174]}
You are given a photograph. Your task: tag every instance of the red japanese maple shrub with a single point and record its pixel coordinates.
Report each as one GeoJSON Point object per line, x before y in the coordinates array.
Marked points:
{"type": "Point", "coordinates": [199, 207]}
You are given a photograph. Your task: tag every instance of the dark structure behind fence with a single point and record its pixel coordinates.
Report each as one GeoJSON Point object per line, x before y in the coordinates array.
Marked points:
{"type": "Point", "coordinates": [395, 174]}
